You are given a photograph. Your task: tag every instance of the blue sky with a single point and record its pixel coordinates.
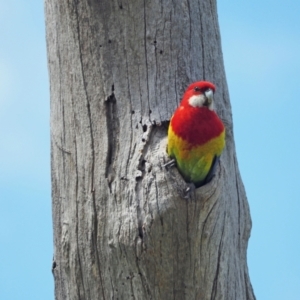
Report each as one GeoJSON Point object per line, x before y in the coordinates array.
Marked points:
{"type": "Point", "coordinates": [261, 46]}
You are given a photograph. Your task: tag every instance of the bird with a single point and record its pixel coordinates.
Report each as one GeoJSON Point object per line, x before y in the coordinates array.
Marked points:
{"type": "Point", "coordinates": [196, 134]}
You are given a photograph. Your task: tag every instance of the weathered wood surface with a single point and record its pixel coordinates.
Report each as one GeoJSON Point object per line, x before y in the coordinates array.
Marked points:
{"type": "Point", "coordinates": [122, 230]}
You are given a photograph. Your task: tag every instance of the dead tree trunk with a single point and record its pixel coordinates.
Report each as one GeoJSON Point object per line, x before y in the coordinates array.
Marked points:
{"type": "Point", "coordinates": [122, 229]}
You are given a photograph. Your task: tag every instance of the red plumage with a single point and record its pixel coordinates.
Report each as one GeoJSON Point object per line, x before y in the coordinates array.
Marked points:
{"type": "Point", "coordinates": [197, 125]}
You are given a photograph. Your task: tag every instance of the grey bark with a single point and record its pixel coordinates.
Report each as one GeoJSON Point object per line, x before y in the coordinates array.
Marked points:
{"type": "Point", "coordinates": [122, 228]}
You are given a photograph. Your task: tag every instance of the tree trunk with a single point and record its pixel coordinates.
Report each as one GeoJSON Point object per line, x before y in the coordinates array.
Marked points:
{"type": "Point", "coordinates": [122, 228]}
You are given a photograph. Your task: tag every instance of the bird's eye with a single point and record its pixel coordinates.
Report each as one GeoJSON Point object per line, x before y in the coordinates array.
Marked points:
{"type": "Point", "coordinates": [197, 89]}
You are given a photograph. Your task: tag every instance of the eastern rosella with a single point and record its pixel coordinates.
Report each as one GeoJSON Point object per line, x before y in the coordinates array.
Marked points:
{"type": "Point", "coordinates": [196, 135]}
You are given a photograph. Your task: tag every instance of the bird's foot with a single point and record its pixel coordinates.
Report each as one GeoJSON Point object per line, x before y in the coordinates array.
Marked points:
{"type": "Point", "coordinates": [170, 164]}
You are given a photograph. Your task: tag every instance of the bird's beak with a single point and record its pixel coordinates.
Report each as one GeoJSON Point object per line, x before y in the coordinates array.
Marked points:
{"type": "Point", "coordinates": [209, 97]}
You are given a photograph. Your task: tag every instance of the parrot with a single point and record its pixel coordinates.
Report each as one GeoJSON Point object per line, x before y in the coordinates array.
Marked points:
{"type": "Point", "coordinates": [196, 135]}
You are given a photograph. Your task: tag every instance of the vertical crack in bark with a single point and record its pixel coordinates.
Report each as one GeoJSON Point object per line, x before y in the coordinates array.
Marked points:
{"type": "Point", "coordinates": [190, 24]}
{"type": "Point", "coordinates": [92, 189]}
{"type": "Point", "coordinates": [119, 235]}
{"type": "Point", "coordinates": [202, 43]}
{"type": "Point", "coordinates": [77, 225]}
{"type": "Point", "coordinates": [129, 150]}
{"type": "Point", "coordinates": [131, 111]}
{"type": "Point", "coordinates": [138, 192]}
{"type": "Point", "coordinates": [113, 129]}
{"type": "Point", "coordinates": [155, 83]}
{"type": "Point", "coordinates": [146, 53]}
{"type": "Point", "coordinates": [173, 64]}
{"type": "Point", "coordinates": [63, 138]}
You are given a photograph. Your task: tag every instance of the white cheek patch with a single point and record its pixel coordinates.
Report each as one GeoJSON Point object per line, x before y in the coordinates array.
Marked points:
{"type": "Point", "coordinates": [197, 100]}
